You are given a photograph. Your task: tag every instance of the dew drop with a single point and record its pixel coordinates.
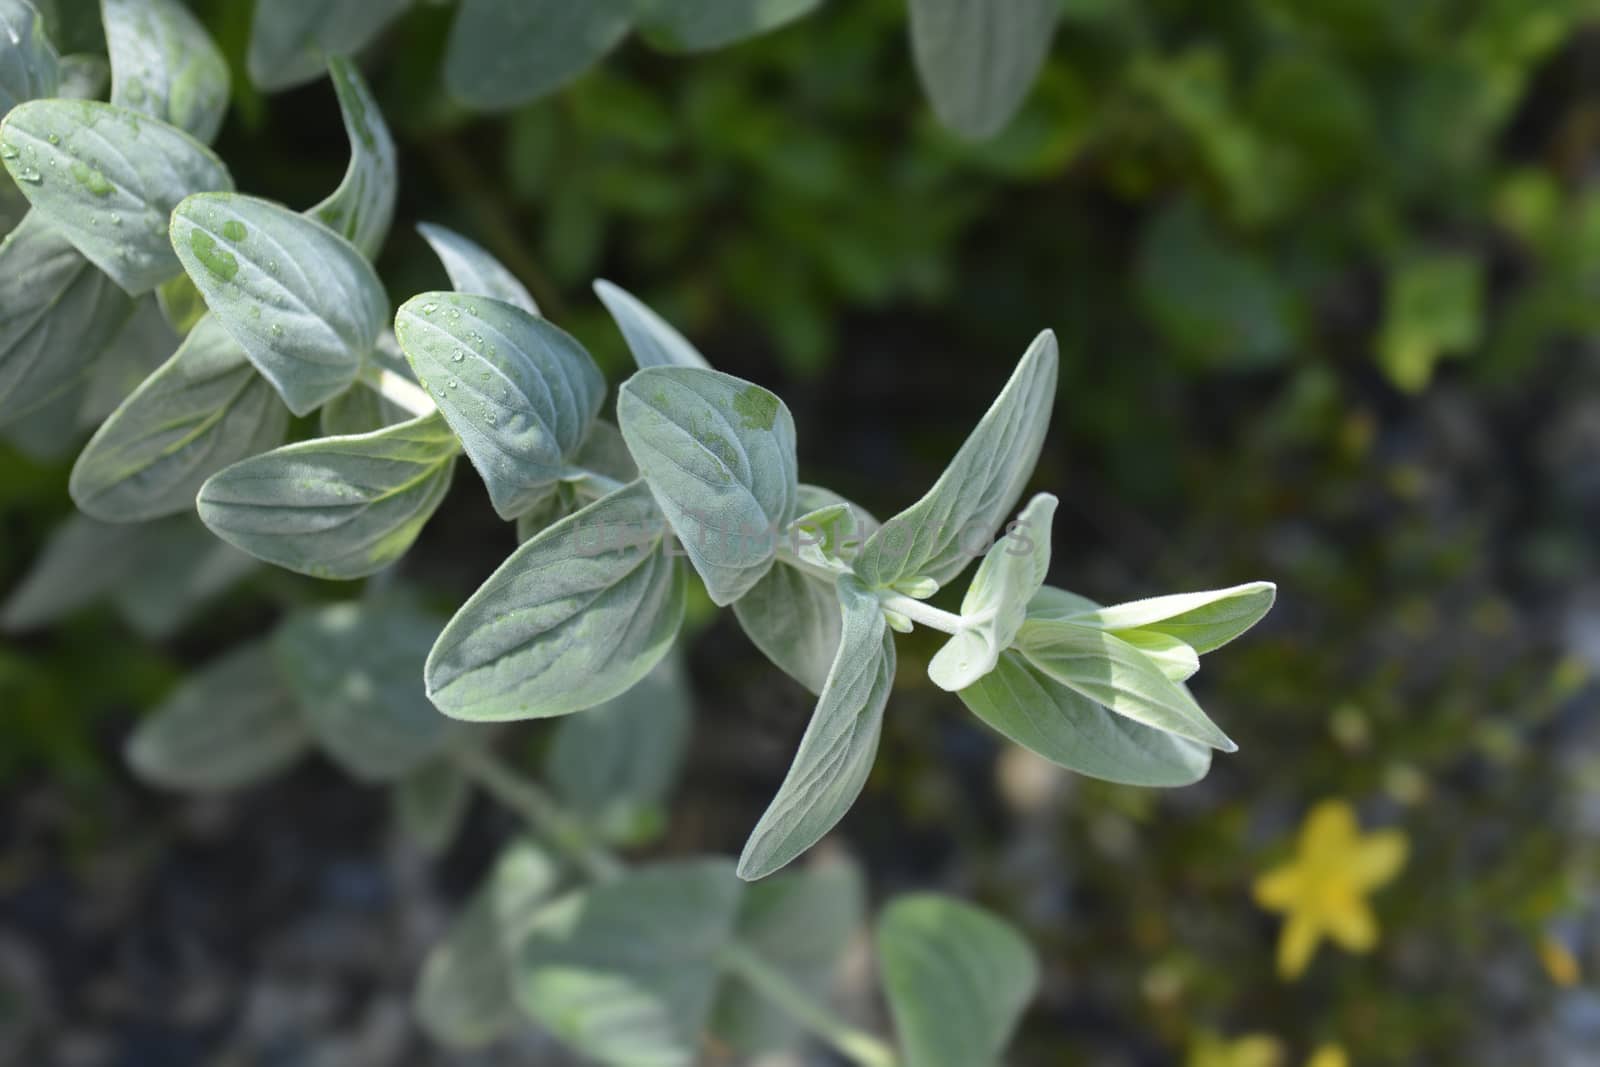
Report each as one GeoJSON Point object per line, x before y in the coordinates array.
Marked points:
{"type": "Point", "coordinates": [454, 384]}
{"type": "Point", "coordinates": [54, 138]}
{"type": "Point", "coordinates": [29, 175]}
{"type": "Point", "coordinates": [429, 309]}
{"type": "Point", "coordinates": [8, 151]}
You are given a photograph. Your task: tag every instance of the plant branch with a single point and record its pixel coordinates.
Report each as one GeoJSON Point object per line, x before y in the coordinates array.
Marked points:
{"type": "Point", "coordinates": [913, 609]}
{"type": "Point", "coordinates": [858, 1046]}
{"type": "Point", "coordinates": [398, 390]}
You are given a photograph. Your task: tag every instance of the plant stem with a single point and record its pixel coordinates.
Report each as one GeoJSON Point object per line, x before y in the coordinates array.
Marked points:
{"type": "Point", "coordinates": [541, 812]}
{"type": "Point", "coordinates": [913, 609]}
{"type": "Point", "coordinates": [398, 390]}
{"type": "Point", "coordinates": [855, 1045]}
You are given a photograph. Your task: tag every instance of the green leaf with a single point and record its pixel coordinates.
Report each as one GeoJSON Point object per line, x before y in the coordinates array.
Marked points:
{"type": "Point", "coordinates": [573, 617]}
{"type": "Point", "coordinates": [28, 65]}
{"type": "Point", "coordinates": [978, 489]}
{"type": "Point", "coordinates": [361, 209]}
{"type": "Point", "coordinates": [977, 59]}
{"type": "Point", "coordinates": [837, 751]}
{"type": "Point", "coordinates": [957, 979]}
{"type": "Point", "coordinates": [506, 52]}
{"type": "Point", "coordinates": [1205, 621]}
{"type": "Point", "coordinates": [290, 39]}
{"type": "Point", "coordinates": [1072, 731]}
{"type": "Point", "coordinates": [625, 973]}
{"type": "Point", "coordinates": [473, 270]}
{"type": "Point", "coordinates": [138, 350]}
{"type": "Point", "coordinates": [614, 764]}
{"type": "Point", "coordinates": [57, 313]}
{"type": "Point", "coordinates": [605, 453]}
{"type": "Point", "coordinates": [107, 178]}
{"type": "Point", "coordinates": [360, 409]}
{"type": "Point", "coordinates": [230, 725]}
{"type": "Point", "coordinates": [652, 340]}
{"type": "Point", "coordinates": [181, 303]}
{"type": "Point", "coordinates": [708, 24]}
{"type": "Point", "coordinates": [353, 667]}
{"type": "Point", "coordinates": [83, 77]}
{"type": "Point", "coordinates": [164, 64]}
{"type": "Point", "coordinates": [299, 299]}
{"type": "Point", "coordinates": [719, 454]}
{"type": "Point", "coordinates": [205, 408]}
{"type": "Point", "coordinates": [1433, 308]}
{"type": "Point", "coordinates": [800, 924]}
{"type": "Point", "coordinates": [520, 393]}
{"type": "Point", "coordinates": [431, 803]}
{"type": "Point", "coordinates": [463, 997]}
{"type": "Point", "coordinates": [334, 507]}
{"type": "Point", "coordinates": [1111, 672]}
{"type": "Point", "coordinates": [82, 561]}
{"type": "Point", "coordinates": [183, 569]}
{"type": "Point", "coordinates": [1010, 574]}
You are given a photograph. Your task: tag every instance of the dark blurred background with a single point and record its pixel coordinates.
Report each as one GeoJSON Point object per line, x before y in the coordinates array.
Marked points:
{"type": "Point", "coordinates": [1324, 273]}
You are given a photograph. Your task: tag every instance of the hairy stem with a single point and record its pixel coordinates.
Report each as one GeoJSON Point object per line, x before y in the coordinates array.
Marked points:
{"type": "Point", "coordinates": [398, 390]}
{"type": "Point", "coordinates": [855, 1045]}
{"type": "Point", "coordinates": [915, 610]}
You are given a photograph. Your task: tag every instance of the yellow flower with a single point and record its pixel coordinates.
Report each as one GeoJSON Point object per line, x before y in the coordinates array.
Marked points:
{"type": "Point", "coordinates": [1329, 1056]}
{"type": "Point", "coordinates": [1252, 1050]}
{"type": "Point", "coordinates": [1559, 962]}
{"type": "Point", "coordinates": [1323, 891]}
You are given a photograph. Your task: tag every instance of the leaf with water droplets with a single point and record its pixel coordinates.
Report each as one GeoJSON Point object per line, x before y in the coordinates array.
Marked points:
{"type": "Point", "coordinates": [474, 270]}
{"type": "Point", "coordinates": [334, 507]}
{"type": "Point", "coordinates": [205, 408]}
{"type": "Point", "coordinates": [652, 339]}
{"type": "Point", "coordinates": [164, 64]}
{"type": "Point", "coordinates": [519, 392]}
{"type": "Point", "coordinates": [28, 65]}
{"type": "Point", "coordinates": [302, 302]}
{"type": "Point", "coordinates": [361, 209]}
{"type": "Point", "coordinates": [290, 39]}
{"type": "Point", "coordinates": [506, 52]}
{"type": "Point", "coordinates": [107, 178]}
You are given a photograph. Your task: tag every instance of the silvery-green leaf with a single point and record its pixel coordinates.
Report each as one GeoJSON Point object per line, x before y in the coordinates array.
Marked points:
{"type": "Point", "coordinates": [614, 764]}
{"type": "Point", "coordinates": [1051, 602]}
{"type": "Point", "coordinates": [354, 668]}
{"type": "Point", "coordinates": [301, 300]}
{"type": "Point", "coordinates": [51, 432]}
{"type": "Point", "coordinates": [183, 569]}
{"type": "Point", "coordinates": [1011, 572]}
{"type": "Point", "coordinates": [430, 803]}
{"type": "Point", "coordinates": [562, 500]}
{"type": "Point", "coordinates": [361, 209]}
{"type": "Point", "coordinates": [334, 507]}
{"type": "Point", "coordinates": [84, 76]}
{"type": "Point", "coordinates": [463, 997]}
{"type": "Point", "coordinates": [107, 178]}
{"type": "Point", "coordinates": [360, 409]}
{"type": "Point", "coordinates": [707, 24]}
{"type": "Point", "coordinates": [164, 64]}
{"type": "Point", "coordinates": [506, 52]}
{"type": "Point", "coordinates": [181, 303]}
{"type": "Point", "coordinates": [1177, 660]}
{"type": "Point", "coordinates": [977, 59]}
{"type": "Point", "coordinates": [474, 270]}
{"type": "Point", "coordinates": [719, 454]}
{"type": "Point", "coordinates": [604, 452]}
{"type": "Point", "coordinates": [573, 617]}
{"type": "Point", "coordinates": [979, 488]}
{"type": "Point", "coordinates": [28, 66]}
{"type": "Point", "coordinates": [520, 393]}
{"type": "Point", "coordinates": [625, 972]}
{"type": "Point", "coordinates": [205, 408]}
{"type": "Point", "coordinates": [230, 725]}
{"type": "Point", "coordinates": [652, 340]}
{"type": "Point", "coordinates": [57, 313]}
{"type": "Point", "coordinates": [290, 40]}
{"type": "Point", "coordinates": [836, 753]}
{"type": "Point", "coordinates": [1070, 730]}
{"type": "Point", "coordinates": [1111, 672]}
{"type": "Point", "coordinates": [140, 347]}
{"type": "Point", "coordinates": [1204, 621]}
{"type": "Point", "coordinates": [799, 923]}
{"type": "Point", "coordinates": [82, 561]}
{"type": "Point", "coordinates": [957, 979]}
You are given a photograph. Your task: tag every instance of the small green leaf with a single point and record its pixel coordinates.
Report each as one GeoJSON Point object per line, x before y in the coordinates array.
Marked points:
{"type": "Point", "coordinates": [573, 617]}
{"type": "Point", "coordinates": [957, 979]}
{"type": "Point", "coordinates": [205, 408]}
{"type": "Point", "coordinates": [1072, 731]}
{"type": "Point", "coordinates": [1433, 308]}
{"type": "Point", "coordinates": [520, 393]}
{"type": "Point", "coordinates": [625, 973]}
{"type": "Point", "coordinates": [334, 507]}
{"type": "Point", "coordinates": [997, 600]}
{"type": "Point", "coordinates": [82, 561]}
{"type": "Point", "coordinates": [300, 299]}
{"type": "Point", "coordinates": [473, 270]}
{"type": "Point", "coordinates": [164, 64]}
{"type": "Point", "coordinates": [229, 726]}
{"type": "Point", "coordinates": [1111, 672]}
{"type": "Point", "coordinates": [719, 454]}
{"type": "Point", "coordinates": [463, 998]}
{"type": "Point", "coordinates": [28, 65]}
{"type": "Point", "coordinates": [839, 745]}
{"type": "Point", "coordinates": [181, 303]}
{"type": "Point", "coordinates": [978, 489]}
{"type": "Point", "coordinates": [139, 348]}
{"type": "Point", "coordinates": [1176, 659]}
{"type": "Point", "coordinates": [709, 24]}
{"type": "Point", "coordinates": [181, 572]}
{"type": "Point", "coordinates": [361, 209]}
{"type": "Point", "coordinates": [107, 178]}
{"type": "Point", "coordinates": [353, 667]}
{"type": "Point", "coordinates": [506, 52]}
{"type": "Point", "coordinates": [1206, 621]}
{"type": "Point", "coordinates": [977, 59]}
{"type": "Point", "coordinates": [290, 40]}
{"type": "Point", "coordinates": [652, 340]}
{"type": "Point", "coordinates": [430, 804]}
